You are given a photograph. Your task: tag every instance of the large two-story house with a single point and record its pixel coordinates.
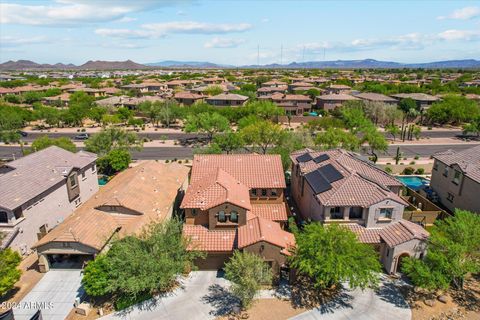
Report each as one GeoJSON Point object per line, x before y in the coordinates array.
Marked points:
{"type": "Point", "coordinates": [236, 202]}
{"type": "Point", "coordinates": [456, 179]}
{"type": "Point", "coordinates": [337, 186]}
{"type": "Point", "coordinates": [40, 190]}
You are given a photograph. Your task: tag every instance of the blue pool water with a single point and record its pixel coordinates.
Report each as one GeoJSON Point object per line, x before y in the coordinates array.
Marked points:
{"type": "Point", "coordinates": [102, 181]}
{"type": "Point", "coordinates": [414, 182]}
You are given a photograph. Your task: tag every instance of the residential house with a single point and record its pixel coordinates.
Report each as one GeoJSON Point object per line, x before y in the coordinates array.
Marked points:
{"type": "Point", "coordinates": [293, 104]}
{"type": "Point", "coordinates": [333, 101]}
{"type": "Point", "coordinates": [90, 91]}
{"type": "Point", "coordinates": [227, 100]}
{"type": "Point", "coordinates": [187, 98]}
{"type": "Point", "coordinates": [340, 187]}
{"type": "Point", "coordinates": [423, 100]}
{"type": "Point", "coordinates": [41, 190]}
{"type": "Point", "coordinates": [376, 97]}
{"type": "Point", "coordinates": [236, 202]}
{"type": "Point", "coordinates": [338, 89]}
{"type": "Point", "coordinates": [267, 91]}
{"type": "Point", "coordinates": [147, 193]}
{"type": "Point", "coordinates": [456, 179]}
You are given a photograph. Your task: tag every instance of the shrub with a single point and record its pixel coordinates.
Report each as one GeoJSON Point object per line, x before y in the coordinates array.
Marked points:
{"type": "Point", "coordinates": [388, 169]}
{"type": "Point", "coordinates": [412, 163]}
{"type": "Point", "coordinates": [408, 170]}
{"type": "Point", "coordinates": [420, 171]}
{"type": "Point", "coordinates": [416, 157]}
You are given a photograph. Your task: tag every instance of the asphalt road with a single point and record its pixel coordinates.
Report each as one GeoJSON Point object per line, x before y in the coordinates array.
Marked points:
{"type": "Point", "coordinates": [181, 135]}
{"type": "Point", "coordinates": [163, 153]}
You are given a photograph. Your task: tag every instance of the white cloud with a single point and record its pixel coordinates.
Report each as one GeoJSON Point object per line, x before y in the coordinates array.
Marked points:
{"type": "Point", "coordinates": [157, 30]}
{"type": "Point", "coordinates": [9, 41]}
{"type": "Point", "coordinates": [462, 14]}
{"type": "Point", "coordinates": [466, 35]}
{"type": "Point", "coordinates": [223, 43]}
{"type": "Point", "coordinates": [72, 13]}
{"type": "Point", "coordinates": [127, 19]}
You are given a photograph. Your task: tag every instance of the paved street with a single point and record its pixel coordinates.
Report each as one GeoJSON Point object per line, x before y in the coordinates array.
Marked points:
{"type": "Point", "coordinates": [162, 153]}
{"type": "Point", "coordinates": [58, 287]}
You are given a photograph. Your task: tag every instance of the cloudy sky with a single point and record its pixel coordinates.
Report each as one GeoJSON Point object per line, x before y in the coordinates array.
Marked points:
{"type": "Point", "coordinates": [231, 32]}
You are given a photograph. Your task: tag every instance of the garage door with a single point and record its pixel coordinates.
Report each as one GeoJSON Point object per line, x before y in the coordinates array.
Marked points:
{"type": "Point", "coordinates": [212, 261]}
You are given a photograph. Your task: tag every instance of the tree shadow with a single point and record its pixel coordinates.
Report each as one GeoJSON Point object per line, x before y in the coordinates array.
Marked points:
{"type": "Point", "coordinates": [388, 292]}
{"type": "Point", "coordinates": [469, 296]}
{"type": "Point", "coordinates": [305, 295]}
{"type": "Point", "coordinates": [221, 300]}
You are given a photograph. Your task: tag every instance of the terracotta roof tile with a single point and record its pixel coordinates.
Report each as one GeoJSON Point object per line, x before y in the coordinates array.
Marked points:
{"type": "Point", "coordinates": [402, 231]}
{"type": "Point", "coordinates": [273, 211]}
{"type": "Point", "coordinates": [202, 239]}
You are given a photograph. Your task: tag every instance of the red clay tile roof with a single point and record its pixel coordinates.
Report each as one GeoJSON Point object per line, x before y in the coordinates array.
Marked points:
{"type": "Point", "coordinates": [362, 184]}
{"type": "Point", "coordinates": [260, 229]}
{"type": "Point", "coordinates": [364, 235]}
{"type": "Point", "coordinates": [402, 231]}
{"type": "Point", "coordinates": [253, 170]}
{"type": "Point", "coordinates": [272, 212]}
{"type": "Point", "coordinates": [202, 239]}
{"type": "Point", "coordinates": [216, 189]}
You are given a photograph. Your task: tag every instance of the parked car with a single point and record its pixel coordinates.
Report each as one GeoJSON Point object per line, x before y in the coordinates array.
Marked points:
{"type": "Point", "coordinates": [82, 136]}
{"type": "Point", "coordinates": [22, 133]}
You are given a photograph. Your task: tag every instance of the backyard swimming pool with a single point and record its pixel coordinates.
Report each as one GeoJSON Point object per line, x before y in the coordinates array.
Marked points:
{"type": "Point", "coordinates": [414, 182]}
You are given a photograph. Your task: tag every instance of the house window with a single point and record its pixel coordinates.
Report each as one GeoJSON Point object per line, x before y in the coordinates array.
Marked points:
{"type": "Point", "coordinates": [450, 197]}
{"type": "Point", "coordinates": [222, 217]}
{"type": "Point", "coordinates": [254, 192]}
{"type": "Point", "coordinates": [445, 172]}
{"type": "Point", "coordinates": [273, 192]}
{"type": "Point", "coordinates": [388, 252]}
{"type": "Point", "coordinates": [435, 165]}
{"type": "Point", "coordinates": [73, 182]}
{"type": "Point", "coordinates": [355, 213]}
{"type": "Point", "coordinates": [83, 175]}
{"type": "Point", "coordinates": [386, 213]}
{"type": "Point", "coordinates": [3, 217]}
{"type": "Point", "coordinates": [233, 216]}
{"type": "Point", "coordinates": [264, 192]}
{"type": "Point", "coordinates": [456, 178]}
{"type": "Point", "coordinates": [336, 213]}
{"type": "Point", "coordinates": [194, 212]}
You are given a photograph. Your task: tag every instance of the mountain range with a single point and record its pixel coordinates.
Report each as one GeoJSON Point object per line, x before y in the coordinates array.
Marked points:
{"type": "Point", "coordinates": [337, 64]}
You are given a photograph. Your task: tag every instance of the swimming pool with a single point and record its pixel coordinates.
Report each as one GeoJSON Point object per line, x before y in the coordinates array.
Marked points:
{"type": "Point", "coordinates": [414, 182]}
{"type": "Point", "coordinates": [102, 181]}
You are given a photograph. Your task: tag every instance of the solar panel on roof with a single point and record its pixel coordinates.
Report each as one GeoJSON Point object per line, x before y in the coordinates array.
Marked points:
{"type": "Point", "coordinates": [321, 158]}
{"type": "Point", "coordinates": [330, 173]}
{"type": "Point", "coordinates": [317, 181]}
{"type": "Point", "coordinates": [304, 157]}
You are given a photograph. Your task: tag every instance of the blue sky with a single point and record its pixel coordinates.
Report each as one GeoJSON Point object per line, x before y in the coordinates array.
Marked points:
{"type": "Point", "coordinates": [230, 32]}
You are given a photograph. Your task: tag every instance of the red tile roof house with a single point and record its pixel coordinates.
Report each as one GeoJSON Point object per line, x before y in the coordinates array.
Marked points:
{"type": "Point", "coordinates": [333, 101]}
{"type": "Point", "coordinates": [337, 186]}
{"type": "Point", "coordinates": [293, 104]}
{"type": "Point", "coordinates": [236, 202]}
{"type": "Point", "coordinates": [188, 98]}
{"type": "Point", "coordinates": [227, 100]}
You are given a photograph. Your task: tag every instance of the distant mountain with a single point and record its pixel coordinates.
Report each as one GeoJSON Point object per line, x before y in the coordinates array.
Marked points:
{"type": "Point", "coordinates": [111, 65]}
{"type": "Point", "coordinates": [373, 64]}
{"type": "Point", "coordinates": [338, 64]}
{"type": "Point", "coordinates": [188, 64]}
{"type": "Point", "coordinates": [90, 65]}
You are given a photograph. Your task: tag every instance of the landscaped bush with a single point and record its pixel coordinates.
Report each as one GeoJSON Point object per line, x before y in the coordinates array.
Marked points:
{"type": "Point", "coordinates": [412, 163]}
{"type": "Point", "coordinates": [388, 169]}
{"type": "Point", "coordinates": [420, 171]}
{"type": "Point", "coordinates": [416, 157]}
{"type": "Point", "coordinates": [408, 170]}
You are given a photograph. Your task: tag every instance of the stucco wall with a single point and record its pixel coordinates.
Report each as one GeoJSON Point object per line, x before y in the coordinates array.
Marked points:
{"type": "Point", "coordinates": [269, 253]}
{"type": "Point", "coordinates": [373, 220]}
{"type": "Point", "coordinates": [414, 248]}
{"type": "Point", "coordinates": [51, 208]}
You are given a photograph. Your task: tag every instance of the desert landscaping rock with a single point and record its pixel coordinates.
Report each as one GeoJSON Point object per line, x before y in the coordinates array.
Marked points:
{"type": "Point", "coordinates": [443, 298]}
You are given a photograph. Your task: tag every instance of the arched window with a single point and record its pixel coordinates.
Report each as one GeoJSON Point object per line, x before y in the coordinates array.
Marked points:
{"type": "Point", "coordinates": [234, 216]}
{"type": "Point", "coordinates": [222, 217]}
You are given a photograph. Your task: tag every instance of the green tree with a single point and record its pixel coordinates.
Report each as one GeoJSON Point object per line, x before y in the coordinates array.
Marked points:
{"type": "Point", "coordinates": [247, 272]}
{"type": "Point", "coordinates": [112, 139]}
{"type": "Point", "coordinates": [96, 114]}
{"type": "Point", "coordinates": [407, 104]}
{"type": "Point", "coordinates": [265, 110]}
{"type": "Point", "coordinates": [263, 135]}
{"type": "Point", "coordinates": [228, 141]}
{"type": "Point", "coordinates": [114, 161]}
{"type": "Point", "coordinates": [454, 110]}
{"type": "Point", "coordinates": [213, 90]}
{"type": "Point", "coordinates": [394, 130]}
{"type": "Point", "coordinates": [209, 123]}
{"type": "Point", "coordinates": [376, 142]}
{"type": "Point", "coordinates": [337, 138]}
{"type": "Point", "coordinates": [289, 142]}
{"type": "Point", "coordinates": [332, 254]}
{"type": "Point", "coordinates": [95, 276]}
{"type": "Point", "coordinates": [124, 114]}
{"type": "Point", "coordinates": [453, 252]}
{"type": "Point", "coordinates": [44, 142]}
{"type": "Point", "coordinates": [9, 272]}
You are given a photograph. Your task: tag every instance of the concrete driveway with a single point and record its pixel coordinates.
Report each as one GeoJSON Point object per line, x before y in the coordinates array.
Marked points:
{"type": "Point", "coordinates": [202, 295]}
{"type": "Point", "coordinates": [386, 303]}
{"type": "Point", "coordinates": [54, 294]}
